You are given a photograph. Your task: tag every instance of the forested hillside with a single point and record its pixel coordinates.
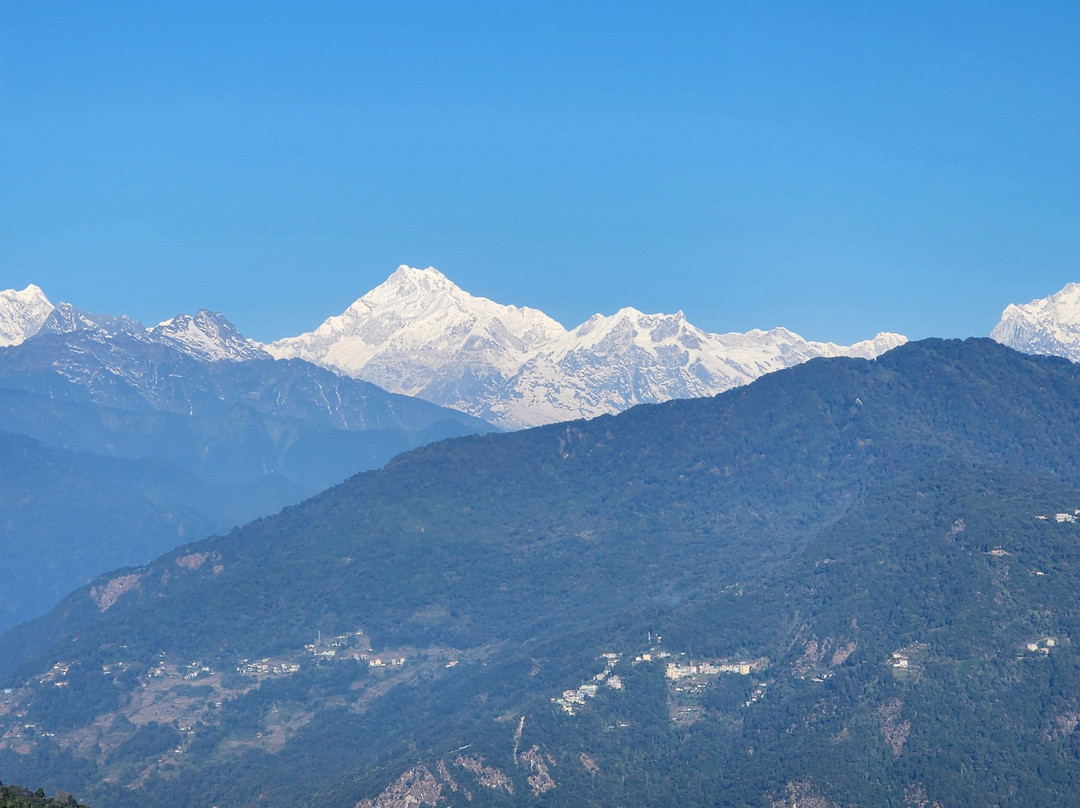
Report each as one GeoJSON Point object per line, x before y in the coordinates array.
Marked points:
{"type": "Point", "coordinates": [850, 581]}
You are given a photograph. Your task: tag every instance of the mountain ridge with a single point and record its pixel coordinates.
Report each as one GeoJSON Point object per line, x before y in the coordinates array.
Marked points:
{"type": "Point", "coordinates": [420, 334]}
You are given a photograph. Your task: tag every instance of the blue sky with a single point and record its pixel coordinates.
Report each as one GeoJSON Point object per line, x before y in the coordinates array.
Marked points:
{"type": "Point", "coordinates": [836, 168]}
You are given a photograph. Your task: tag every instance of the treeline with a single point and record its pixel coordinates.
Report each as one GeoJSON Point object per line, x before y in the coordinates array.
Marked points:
{"type": "Point", "coordinates": [18, 797]}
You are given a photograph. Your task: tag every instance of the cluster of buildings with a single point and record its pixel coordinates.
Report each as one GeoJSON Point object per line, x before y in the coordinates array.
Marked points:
{"type": "Point", "coordinates": [354, 646]}
{"type": "Point", "coordinates": [345, 646]}
{"type": "Point", "coordinates": [676, 671]}
{"type": "Point", "coordinates": [193, 670]}
{"type": "Point", "coordinates": [677, 667]}
{"type": "Point", "coordinates": [164, 670]}
{"type": "Point", "coordinates": [55, 675]}
{"type": "Point", "coordinates": [757, 695]}
{"type": "Point", "coordinates": [1044, 646]}
{"type": "Point", "coordinates": [572, 699]}
{"type": "Point", "coordinates": [379, 662]}
{"type": "Point", "coordinates": [1062, 517]}
{"type": "Point", "coordinates": [267, 667]}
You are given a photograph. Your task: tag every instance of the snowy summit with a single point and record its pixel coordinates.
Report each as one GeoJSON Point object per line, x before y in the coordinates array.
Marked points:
{"type": "Point", "coordinates": [207, 336]}
{"type": "Point", "coordinates": [22, 314]}
{"type": "Point", "coordinates": [1049, 326]}
{"type": "Point", "coordinates": [419, 334]}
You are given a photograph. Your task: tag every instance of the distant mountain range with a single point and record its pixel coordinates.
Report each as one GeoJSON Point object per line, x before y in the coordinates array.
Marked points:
{"type": "Point", "coordinates": [193, 392]}
{"type": "Point", "coordinates": [421, 335]}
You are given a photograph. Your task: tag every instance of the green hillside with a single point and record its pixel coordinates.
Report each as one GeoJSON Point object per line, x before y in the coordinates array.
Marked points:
{"type": "Point", "coordinates": [852, 582]}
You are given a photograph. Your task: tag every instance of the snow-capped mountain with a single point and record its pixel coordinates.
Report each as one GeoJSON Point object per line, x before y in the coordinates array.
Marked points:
{"type": "Point", "coordinates": [67, 319]}
{"type": "Point", "coordinates": [608, 364]}
{"type": "Point", "coordinates": [207, 336]}
{"type": "Point", "coordinates": [419, 334]}
{"type": "Point", "coordinates": [22, 314]}
{"type": "Point", "coordinates": [1047, 326]}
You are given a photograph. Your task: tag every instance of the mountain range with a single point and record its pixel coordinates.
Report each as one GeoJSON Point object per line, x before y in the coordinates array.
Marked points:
{"type": "Point", "coordinates": [850, 582]}
{"type": "Point", "coordinates": [419, 334]}
{"type": "Point", "coordinates": [239, 435]}
{"type": "Point", "coordinates": [195, 393]}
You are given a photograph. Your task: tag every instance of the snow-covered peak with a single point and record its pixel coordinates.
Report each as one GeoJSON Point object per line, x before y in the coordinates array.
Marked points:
{"type": "Point", "coordinates": [410, 282]}
{"type": "Point", "coordinates": [207, 336]}
{"type": "Point", "coordinates": [415, 297]}
{"type": "Point", "coordinates": [22, 314]}
{"type": "Point", "coordinates": [414, 324]}
{"type": "Point", "coordinates": [67, 319]}
{"type": "Point", "coordinates": [1050, 325]}
{"type": "Point", "coordinates": [627, 327]}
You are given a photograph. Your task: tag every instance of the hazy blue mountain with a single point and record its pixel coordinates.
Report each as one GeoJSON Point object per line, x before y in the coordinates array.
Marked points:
{"type": "Point", "coordinates": [849, 583]}
{"type": "Point", "coordinates": [65, 517]}
{"type": "Point", "coordinates": [107, 385]}
{"type": "Point", "coordinates": [145, 439]}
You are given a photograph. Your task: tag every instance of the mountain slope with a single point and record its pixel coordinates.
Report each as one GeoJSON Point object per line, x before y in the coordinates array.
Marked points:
{"type": "Point", "coordinates": [419, 334]}
{"type": "Point", "coordinates": [844, 561]}
{"type": "Point", "coordinates": [68, 517]}
{"type": "Point", "coordinates": [1047, 326]}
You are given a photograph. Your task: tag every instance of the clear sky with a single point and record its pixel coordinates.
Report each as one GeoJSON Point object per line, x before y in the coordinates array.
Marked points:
{"type": "Point", "coordinates": [838, 168]}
